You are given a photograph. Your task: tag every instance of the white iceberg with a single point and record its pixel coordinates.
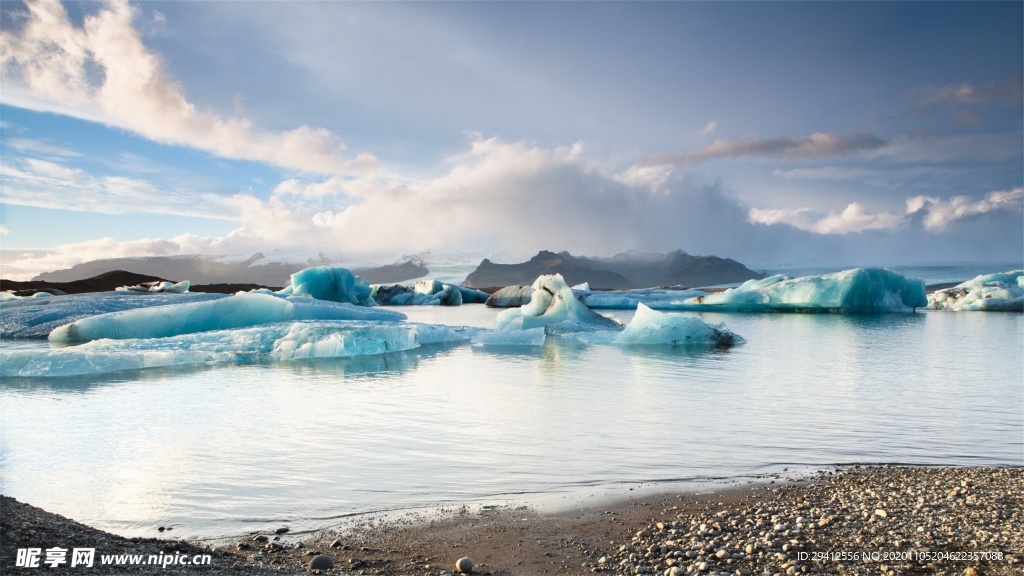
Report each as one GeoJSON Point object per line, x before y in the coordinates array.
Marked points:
{"type": "Point", "coordinates": [36, 318]}
{"type": "Point", "coordinates": [553, 306]}
{"type": "Point", "coordinates": [861, 290]}
{"type": "Point", "coordinates": [1002, 292]}
{"type": "Point", "coordinates": [158, 286]}
{"type": "Point", "coordinates": [654, 328]}
{"type": "Point", "coordinates": [239, 311]}
{"type": "Point", "coordinates": [279, 342]}
{"type": "Point", "coordinates": [671, 328]}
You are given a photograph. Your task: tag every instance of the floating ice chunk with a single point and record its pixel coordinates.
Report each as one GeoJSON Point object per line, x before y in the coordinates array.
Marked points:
{"type": "Point", "coordinates": [553, 305]}
{"type": "Point", "coordinates": [654, 298]}
{"type": "Point", "coordinates": [510, 297]}
{"type": "Point", "coordinates": [36, 318]}
{"type": "Point", "coordinates": [329, 283]}
{"type": "Point", "coordinates": [157, 286]}
{"type": "Point", "coordinates": [471, 296]}
{"type": "Point", "coordinates": [238, 311]}
{"type": "Point", "coordinates": [1002, 292]}
{"type": "Point", "coordinates": [399, 295]}
{"type": "Point", "coordinates": [279, 342]}
{"type": "Point", "coordinates": [584, 287]}
{"type": "Point", "coordinates": [861, 290]}
{"type": "Point", "coordinates": [652, 327]}
{"type": "Point", "coordinates": [531, 337]}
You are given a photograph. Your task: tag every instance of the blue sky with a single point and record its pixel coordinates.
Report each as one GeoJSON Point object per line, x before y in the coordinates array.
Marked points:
{"type": "Point", "coordinates": [861, 133]}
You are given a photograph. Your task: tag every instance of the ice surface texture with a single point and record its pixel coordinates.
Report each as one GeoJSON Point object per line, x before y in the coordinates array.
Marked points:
{"type": "Point", "coordinates": [553, 306]}
{"type": "Point", "coordinates": [238, 311]}
{"type": "Point", "coordinates": [278, 342]}
{"type": "Point", "coordinates": [1003, 292]}
{"type": "Point", "coordinates": [861, 290]}
{"type": "Point", "coordinates": [37, 317]}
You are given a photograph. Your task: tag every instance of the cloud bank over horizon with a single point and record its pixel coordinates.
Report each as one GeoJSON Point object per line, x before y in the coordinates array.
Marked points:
{"type": "Point", "coordinates": [945, 186]}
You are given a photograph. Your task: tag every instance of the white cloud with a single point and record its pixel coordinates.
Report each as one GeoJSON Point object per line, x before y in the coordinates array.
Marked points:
{"type": "Point", "coordinates": [46, 184]}
{"type": "Point", "coordinates": [28, 265]}
{"type": "Point", "coordinates": [852, 219]}
{"type": "Point", "coordinates": [518, 197]}
{"type": "Point", "coordinates": [4, 230]}
{"type": "Point", "coordinates": [50, 64]}
{"type": "Point", "coordinates": [934, 213]}
{"type": "Point", "coordinates": [711, 127]}
{"type": "Point", "coordinates": [817, 145]}
{"type": "Point", "coordinates": [938, 214]}
{"type": "Point", "coordinates": [1006, 93]}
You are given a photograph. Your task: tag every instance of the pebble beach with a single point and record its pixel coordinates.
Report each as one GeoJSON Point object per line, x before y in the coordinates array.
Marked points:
{"type": "Point", "coordinates": [851, 520]}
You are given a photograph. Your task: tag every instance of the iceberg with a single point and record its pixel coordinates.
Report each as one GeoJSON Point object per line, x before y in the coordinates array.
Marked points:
{"type": "Point", "coordinates": [426, 293]}
{"type": "Point", "coordinates": [330, 283]}
{"type": "Point", "coordinates": [860, 291]}
{"type": "Point", "coordinates": [160, 286]}
{"type": "Point", "coordinates": [471, 296]}
{"type": "Point", "coordinates": [509, 297]}
{"type": "Point", "coordinates": [655, 298]}
{"type": "Point", "coordinates": [239, 311]}
{"type": "Point", "coordinates": [1002, 292]}
{"type": "Point", "coordinates": [278, 342]}
{"type": "Point", "coordinates": [36, 318]}
{"type": "Point", "coordinates": [554, 307]}
{"type": "Point", "coordinates": [652, 327]}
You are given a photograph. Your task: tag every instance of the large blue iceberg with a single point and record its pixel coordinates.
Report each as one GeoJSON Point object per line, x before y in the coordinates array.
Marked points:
{"type": "Point", "coordinates": [332, 284]}
{"type": "Point", "coordinates": [37, 317]}
{"type": "Point", "coordinates": [238, 311]}
{"type": "Point", "coordinates": [278, 342]}
{"type": "Point", "coordinates": [860, 291]}
{"type": "Point", "coordinates": [1002, 292]}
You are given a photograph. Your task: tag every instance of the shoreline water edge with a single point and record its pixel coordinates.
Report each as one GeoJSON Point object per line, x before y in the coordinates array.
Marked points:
{"type": "Point", "coordinates": [890, 520]}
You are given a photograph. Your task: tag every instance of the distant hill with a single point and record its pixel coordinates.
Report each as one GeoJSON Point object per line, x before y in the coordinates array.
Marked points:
{"type": "Point", "coordinates": [101, 283]}
{"type": "Point", "coordinates": [393, 273]}
{"type": "Point", "coordinates": [623, 271]}
{"type": "Point", "coordinates": [200, 270]}
{"type": "Point", "coordinates": [574, 270]}
{"type": "Point", "coordinates": [677, 268]}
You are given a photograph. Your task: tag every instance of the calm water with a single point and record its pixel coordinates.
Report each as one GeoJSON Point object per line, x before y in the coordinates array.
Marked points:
{"type": "Point", "coordinates": [216, 451]}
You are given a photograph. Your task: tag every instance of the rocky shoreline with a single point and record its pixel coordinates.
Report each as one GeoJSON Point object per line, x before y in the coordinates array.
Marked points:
{"type": "Point", "coordinates": [851, 520]}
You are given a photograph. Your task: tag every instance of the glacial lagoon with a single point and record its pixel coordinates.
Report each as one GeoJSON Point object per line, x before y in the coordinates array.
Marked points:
{"type": "Point", "coordinates": [225, 449]}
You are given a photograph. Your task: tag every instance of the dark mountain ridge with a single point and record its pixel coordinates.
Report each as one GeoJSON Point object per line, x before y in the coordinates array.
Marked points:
{"type": "Point", "coordinates": [623, 271]}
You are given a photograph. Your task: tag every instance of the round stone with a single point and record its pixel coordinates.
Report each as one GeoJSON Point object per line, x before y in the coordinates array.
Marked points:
{"type": "Point", "coordinates": [464, 565]}
{"type": "Point", "coordinates": [321, 562]}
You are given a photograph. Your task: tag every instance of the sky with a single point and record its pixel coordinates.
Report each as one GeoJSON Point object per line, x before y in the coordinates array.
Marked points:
{"type": "Point", "coordinates": [852, 133]}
